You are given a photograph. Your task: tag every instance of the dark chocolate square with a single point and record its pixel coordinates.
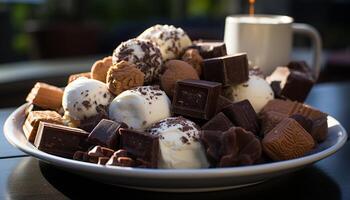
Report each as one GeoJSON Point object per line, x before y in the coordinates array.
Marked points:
{"type": "Point", "coordinates": [228, 70]}
{"type": "Point", "coordinates": [106, 134]}
{"type": "Point", "coordinates": [144, 146]}
{"type": "Point", "coordinates": [242, 114]}
{"type": "Point", "coordinates": [60, 140]}
{"type": "Point", "coordinates": [210, 49]}
{"type": "Point", "coordinates": [298, 86]}
{"type": "Point", "coordinates": [196, 98]}
{"type": "Point", "coordinates": [218, 123]}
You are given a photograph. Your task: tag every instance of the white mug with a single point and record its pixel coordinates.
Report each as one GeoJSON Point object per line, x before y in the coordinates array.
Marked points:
{"type": "Point", "coordinates": [267, 39]}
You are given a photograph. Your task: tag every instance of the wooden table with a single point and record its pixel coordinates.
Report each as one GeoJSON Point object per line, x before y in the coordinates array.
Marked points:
{"type": "Point", "coordinates": [24, 177]}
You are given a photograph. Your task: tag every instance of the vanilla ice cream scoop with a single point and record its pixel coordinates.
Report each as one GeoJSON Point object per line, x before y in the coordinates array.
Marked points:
{"type": "Point", "coordinates": [140, 107]}
{"type": "Point", "coordinates": [179, 144]}
{"type": "Point", "coordinates": [85, 98]}
{"type": "Point", "coordinates": [172, 41]}
{"type": "Point", "coordinates": [256, 90]}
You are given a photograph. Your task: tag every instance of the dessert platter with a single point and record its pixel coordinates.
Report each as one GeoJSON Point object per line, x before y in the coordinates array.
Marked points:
{"type": "Point", "coordinates": [166, 113]}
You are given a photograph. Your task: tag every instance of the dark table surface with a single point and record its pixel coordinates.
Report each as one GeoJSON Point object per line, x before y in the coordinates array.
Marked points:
{"type": "Point", "coordinates": [24, 177]}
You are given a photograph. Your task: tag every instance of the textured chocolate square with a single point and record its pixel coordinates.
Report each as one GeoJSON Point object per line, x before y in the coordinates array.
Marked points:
{"type": "Point", "coordinates": [228, 70]}
{"type": "Point", "coordinates": [287, 140]}
{"type": "Point", "coordinates": [218, 123]}
{"type": "Point", "coordinates": [297, 86]}
{"type": "Point", "coordinates": [210, 49]}
{"type": "Point", "coordinates": [143, 146]}
{"type": "Point", "coordinates": [60, 140]}
{"type": "Point", "coordinates": [106, 134]}
{"type": "Point", "coordinates": [196, 98]}
{"type": "Point", "coordinates": [33, 119]}
{"type": "Point", "coordinates": [305, 122]}
{"type": "Point", "coordinates": [242, 114]}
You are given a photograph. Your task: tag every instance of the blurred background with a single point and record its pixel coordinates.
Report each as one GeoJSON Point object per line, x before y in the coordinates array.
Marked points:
{"type": "Point", "coordinates": [46, 40]}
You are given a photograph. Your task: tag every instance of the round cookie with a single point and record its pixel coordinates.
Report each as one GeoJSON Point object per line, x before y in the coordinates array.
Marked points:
{"type": "Point", "coordinates": [123, 76]}
{"type": "Point", "coordinates": [99, 69]}
{"type": "Point", "coordinates": [143, 53]}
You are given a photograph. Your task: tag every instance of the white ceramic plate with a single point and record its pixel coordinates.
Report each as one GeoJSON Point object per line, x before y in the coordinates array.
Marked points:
{"type": "Point", "coordinates": [177, 180]}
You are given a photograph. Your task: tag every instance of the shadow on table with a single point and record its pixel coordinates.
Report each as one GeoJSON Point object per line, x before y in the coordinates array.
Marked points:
{"type": "Point", "coordinates": [309, 183]}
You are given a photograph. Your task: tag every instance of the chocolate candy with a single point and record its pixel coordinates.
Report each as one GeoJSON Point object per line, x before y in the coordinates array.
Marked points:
{"type": "Point", "coordinates": [287, 140]}
{"type": "Point", "coordinates": [106, 134]}
{"type": "Point", "coordinates": [319, 129]}
{"type": "Point", "coordinates": [298, 86]}
{"type": "Point", "coordinates": [239, 147]}
{"type": "Point", "coordinates": [60, 140]}
{"type": "Point", "coordinates": [196, 98]}
{"type": "Point", "coordinates": [210, 49]}
{"type": "Point", "coordinates": [228, 70]}
{"type": "Point", "coordinates": [219, 122]}
{"type": "Point", "coordinates": [88, 124]}
{"type": "Point", "coordinates": [301, 66]}
{"type": "Point", "coordinates": [242, 114]}
{"type": "Point", "coordinates": [31, 124]}
{"type": "Point", "coordinates": [143, 146]}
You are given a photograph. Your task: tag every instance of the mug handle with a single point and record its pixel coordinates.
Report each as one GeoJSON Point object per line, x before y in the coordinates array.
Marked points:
{"type": "Point", "coordinates": [312, 33]}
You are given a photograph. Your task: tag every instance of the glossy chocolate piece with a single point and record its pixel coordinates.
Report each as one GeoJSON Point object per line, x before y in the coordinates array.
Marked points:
{"type": "Point", "coordinates": [300, 66]}
{"type": "Point", "coordinates": [228, 70]}
{"type": "Point", "coordinates": [287, 140]}
{"type": "Point", "coordinates": [88, 124]}
{"type": "Point", "coordinates": [60, 140]}
{"type": "Point", "coordinates": [196, 98]}
{"type": "Point", "coordinates": [210, 49]}
{"type": "Point", "coordinates": [106, 134]}
{"type": "Point", "coordinates": [298, 86]}
{"type": "Point", "coordinates": [143, 146]}
{"type": "Point", "coordinates": [242, 114]}
{"type": "Point", "coordinates": [239, 147]}
{"type": "Point", "coordinates": [218, 123]}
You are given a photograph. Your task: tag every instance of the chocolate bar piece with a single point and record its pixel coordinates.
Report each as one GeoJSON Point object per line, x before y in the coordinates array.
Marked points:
{"type": "Point", "coordinates": [210, 49]}
{"type": "Point", "coordinates": [196, 98]}
{"type": "Point", "coordinates": [46, 96]}
{"type": "Point", "coordinates": [242, 114]}
{"type": "Point", "coordinates": [239, 147]}
{"type": "Point", "coordinates": [301, 66]}
{"type": "Point", "coordinates": [228, 70]}
{"type": "Point", "coordinates": [31, 124]}
{"type": "Point", "coordinates": [143, 146]}
{"type": "Point", "coordinates": [287, 140]}
{"type": "Point", "coordinates": [319, 129]}
{"type": "Point", "coordinates": [106, 134]}
{"type": "Point", "coordinates": [60, 140]}
{"type": "Point", "coordinates": [298, 86]}
{"type": "Point", "coordinates": [218, 123]}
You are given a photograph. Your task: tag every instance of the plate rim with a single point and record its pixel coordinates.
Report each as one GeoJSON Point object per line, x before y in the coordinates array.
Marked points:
{"type": "Point", "coordinates": [170, 173]}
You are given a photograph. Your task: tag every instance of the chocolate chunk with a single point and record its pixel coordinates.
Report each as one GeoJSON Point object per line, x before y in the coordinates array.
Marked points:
{"type": "Point", "coordinates": [239, 147]}
{"type": "Point", "coordinates": [228, 70]}
{"type": "Point", "coordinates": [218, 123]}
{"type": "Point", "coordinates": [222, 103]}
{"type": "Point", "coordinates": [211, 141]}
{"type": "Point", "coordinates": [287, 140]}
{"type": "Point", "coordinates": [298, 86]}
{"type": "Point", "coordinates": [300, 66]}
{"type": "Point", "coordinates": [276, 88]}
{"type": "Point", "coordinates": [106, 134]}
{"type": "Point", "coordinates": [305, 122]}
{"type": "Point", "coordinates": [60, 140]}
{"type": "Point", "coordinates": [269, 120]}
{"type": "Point", "coordinates": [102, 160]}
{"type": "Point", "coordinates": [99, 151]}
{"type": "Point", "coordinates": [145, 147]}
{"type": "Point", "coordinates": [242, 114]}
{"type": "Point", "coordinates": [81, 156]}
{"type": "Point", "coordinates": [196, 98]}
{"type": "Point", "coordinates": [210, 49]}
